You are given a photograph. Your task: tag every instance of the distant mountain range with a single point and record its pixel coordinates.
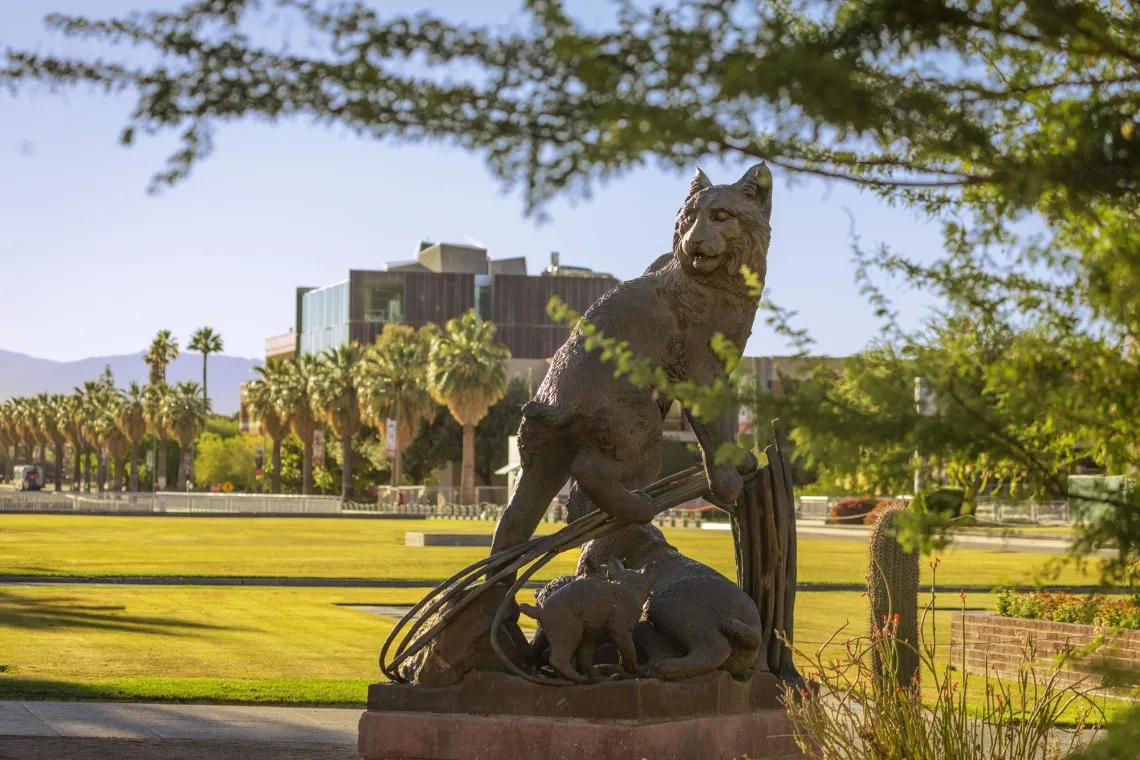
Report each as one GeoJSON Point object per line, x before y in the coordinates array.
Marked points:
{"type": "Point", "coordinates": [22, 375]}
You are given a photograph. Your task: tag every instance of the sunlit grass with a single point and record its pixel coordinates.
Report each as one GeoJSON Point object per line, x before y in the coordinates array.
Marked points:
{"type": "Point", "coordinates": [72, 545]}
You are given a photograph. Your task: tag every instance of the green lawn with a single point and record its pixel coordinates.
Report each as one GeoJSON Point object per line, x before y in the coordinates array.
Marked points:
{"type": "Point", "coordinates": [234, 644]}
{"type": "Point", "coordinates": [258, 645]}
{"type": "Point", "coordinates": [215, 644]}
{"type": "Point", "coordinates": [63, 545]}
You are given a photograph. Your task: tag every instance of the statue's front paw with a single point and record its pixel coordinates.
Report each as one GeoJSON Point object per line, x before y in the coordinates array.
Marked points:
{"type": "Point", "coordinates": [726, 483]}
{"type": "Point", "coordinates": [666, 671]}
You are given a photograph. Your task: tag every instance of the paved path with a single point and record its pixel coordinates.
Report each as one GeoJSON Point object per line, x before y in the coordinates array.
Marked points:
{"type": "Point", "coordinates": [109, 720]}
{"type": "Point", "coordinates": [1009, 542]}
{"type": "Point", "coordinates": [45, 748]}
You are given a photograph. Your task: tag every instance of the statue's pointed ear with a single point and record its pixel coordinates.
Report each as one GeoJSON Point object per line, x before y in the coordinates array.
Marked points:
{"type": "Point", "coordinates": [757, 183]}
{"type": "Point", "coordinates": [700, 182]}
{"type": "Point", "coordinates": [614, 568]}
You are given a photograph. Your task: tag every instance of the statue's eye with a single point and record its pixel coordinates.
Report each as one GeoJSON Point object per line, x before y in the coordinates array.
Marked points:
{"type": "Point", "coordinates": [720, 215]}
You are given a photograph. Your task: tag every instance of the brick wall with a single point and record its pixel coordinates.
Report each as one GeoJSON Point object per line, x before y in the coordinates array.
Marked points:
{"type": "Point", "coordinates": [996, 642]}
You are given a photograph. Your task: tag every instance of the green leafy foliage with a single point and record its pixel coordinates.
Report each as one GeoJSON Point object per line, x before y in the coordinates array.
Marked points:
{"type": "Point", "coordinates": [440, 440]}
{"type": "Point", "coordinates": [1064, 607]}
{"type": "Point", "coordinates": [219, 460]}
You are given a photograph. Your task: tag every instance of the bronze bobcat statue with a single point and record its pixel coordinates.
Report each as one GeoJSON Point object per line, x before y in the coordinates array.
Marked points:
{"type": "Point", "coordinates": [604, 432]}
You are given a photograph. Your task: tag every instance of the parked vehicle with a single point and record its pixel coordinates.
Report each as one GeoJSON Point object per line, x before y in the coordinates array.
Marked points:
{"type": "Point", "coordinates": [28, 477]}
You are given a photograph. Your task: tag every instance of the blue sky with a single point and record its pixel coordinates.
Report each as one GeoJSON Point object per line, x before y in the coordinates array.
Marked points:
{"type": "Point", "coordinates": [93, 265]}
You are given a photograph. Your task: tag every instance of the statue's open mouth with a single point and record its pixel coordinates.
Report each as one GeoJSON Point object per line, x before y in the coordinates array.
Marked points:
{"type": "Point", "coordinates": [703, 263]}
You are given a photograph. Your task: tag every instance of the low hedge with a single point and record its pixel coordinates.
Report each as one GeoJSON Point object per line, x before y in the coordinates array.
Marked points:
{"type": "Point", "coordinates": [1064, 607]}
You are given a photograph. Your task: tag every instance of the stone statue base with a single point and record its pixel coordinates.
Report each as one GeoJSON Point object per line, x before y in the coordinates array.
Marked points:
{"type": "Point", "coordinates": [494, 716]}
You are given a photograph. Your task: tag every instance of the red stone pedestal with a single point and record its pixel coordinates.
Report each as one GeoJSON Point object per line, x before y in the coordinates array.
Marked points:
{"type": "Point", "coordinates": [497, 717]}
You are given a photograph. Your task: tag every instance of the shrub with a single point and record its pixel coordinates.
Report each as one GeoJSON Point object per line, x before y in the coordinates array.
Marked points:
{"type": "Point", "coordinates": [1063, 607]}
{"type": "Point", "coordinates": [850, 710]}
{"type": "Point", "coordinates": [851, 511]}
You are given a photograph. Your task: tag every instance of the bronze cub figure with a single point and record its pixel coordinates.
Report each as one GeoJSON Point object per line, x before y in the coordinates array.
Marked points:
{"type": "Point", "coordinates": [603, 431]}
{"type": "Point", "coordinates": [584, 612]}
{"type": "Point", "coordinates": [696, 620]}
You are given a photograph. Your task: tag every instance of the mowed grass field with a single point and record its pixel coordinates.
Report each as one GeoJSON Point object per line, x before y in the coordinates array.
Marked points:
{"type": "Point", "coordinates": [308, 645]}
{"type": "Point", "coordinates": [270, 646]}
{"type": "Point", "coordinates": [70, 545]}
{"type": "Point", "coordinates": [243, 644]}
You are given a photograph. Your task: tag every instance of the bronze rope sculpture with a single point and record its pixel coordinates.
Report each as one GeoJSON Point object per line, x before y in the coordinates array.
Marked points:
{"type": "Point", "coordinates": [764, 538]}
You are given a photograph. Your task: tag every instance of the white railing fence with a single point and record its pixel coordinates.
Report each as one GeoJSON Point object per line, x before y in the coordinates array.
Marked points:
{"type": "Point", "coordinates": [430, 501]}
{"type": "Point", "coordinates": [171, 502]}
{"type": "Point", "coordinates": [1025, 512]}
{"type": "Point", "coordinates": [388, 496]}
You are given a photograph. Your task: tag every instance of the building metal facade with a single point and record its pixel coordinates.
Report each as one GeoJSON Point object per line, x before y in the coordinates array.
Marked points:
{"type": "Point", "coordinates": [446, 281]}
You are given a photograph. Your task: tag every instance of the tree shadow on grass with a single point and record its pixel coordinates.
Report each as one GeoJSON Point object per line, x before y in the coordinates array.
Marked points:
{"type": "Point", "coordinates": [61, 613]}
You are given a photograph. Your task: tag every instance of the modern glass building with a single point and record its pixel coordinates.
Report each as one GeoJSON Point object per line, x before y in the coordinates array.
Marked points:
{"type": "Point", "coordinates": [446, 281]}
{"type": "Point", "coordinates": [324, 318]}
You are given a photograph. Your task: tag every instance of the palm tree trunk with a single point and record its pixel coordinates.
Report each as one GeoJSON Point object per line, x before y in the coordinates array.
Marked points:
{"type": "Point", "coordinates": [77, 474]}
{"type": "Point", "coordinates": [275, 481]}
{"type": "Point", "coordinates": [87, 475]}
{"type": "Point", "coordinates": [101, 470]}
{"type": "Point", "coordinates": [398, 462]}
{"type": "Point", "coordinates": [160, 476]}
{"type": "Point", "coordinates": [43, 465]}
{"type": "Point", "coordinates": [467, 472]}
{"type": "Point", "coordinates": [346, 467]}
{"type": "Point", "coordinates": [58, 467]}
{"type": "Point", "coordinates": [117, 481]}
{"type": "Point", "coordinates": [134, 482]}
{"type": "Point", "coordinates": [183, 461]}
{"type": "Point", "coordinates": [307, 468]}
{"type": "Point", "coordinates": [205, 388]}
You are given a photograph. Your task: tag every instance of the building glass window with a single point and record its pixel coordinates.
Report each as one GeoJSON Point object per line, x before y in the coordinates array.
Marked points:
{"type": "Point", "coordinates": [324, 318]}
{"type": "Point", "coordinates": [483, 295]}
{"type": "Point", "coordinates": [384, 303]}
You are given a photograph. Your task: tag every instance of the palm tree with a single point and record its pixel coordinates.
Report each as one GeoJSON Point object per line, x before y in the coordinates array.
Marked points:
{"type": "Point", "coordinates": [55, 421]}
{"type": "Point", "coordinates": [23, 415]}
{"type": "Point", "coordinates": [7, 438]}
{"type": "Point", "coordinates": [205, 341]}
{"type": "Point", "coordinates": [39, 412]}
{"type": "Point", "coordinates": [131, 420]}
{"type": "Point", "coordinates": [72, 418]}
{"type": "Point", "coordinates": [467, 373]}
{"type": "Point", "coordinates": [262, 397]}
{"type": "Point", "coordinates": [92, 397]}
{"type": "Point", "coordinates": [394, 386]}
{"type": "Point", "coordinates": [154, 405]}
{"type": "Point", "coordinates": [184, 412]}
{"type": "Point", "coordinates": [336, 392]}
{"type": "Point", "coordinates": [107, 437]}
{"type": "Point", "coordinates": [295, 404]}
{"type": "Point", "coordinates": [163, 350]}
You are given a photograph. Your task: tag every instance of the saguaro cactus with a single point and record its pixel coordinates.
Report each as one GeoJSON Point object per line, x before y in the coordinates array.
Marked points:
{"type": "Point", "coordinates": [892, 588]}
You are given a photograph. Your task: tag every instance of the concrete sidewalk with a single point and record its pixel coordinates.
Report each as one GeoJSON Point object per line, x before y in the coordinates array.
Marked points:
{"type": "Point", "coordinates": [226, 723]}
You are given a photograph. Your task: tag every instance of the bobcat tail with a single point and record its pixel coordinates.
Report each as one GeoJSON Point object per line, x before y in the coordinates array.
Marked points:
{"type": "Point", "coordinates": [554, 415]}
{"type": "Point", "coordinates": [742, 633]}
{"type": "Point", "coordinates": [530, 611]}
